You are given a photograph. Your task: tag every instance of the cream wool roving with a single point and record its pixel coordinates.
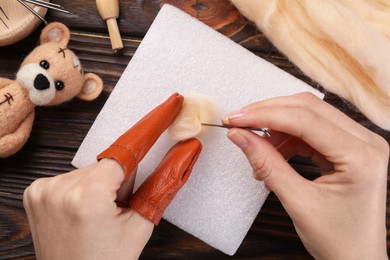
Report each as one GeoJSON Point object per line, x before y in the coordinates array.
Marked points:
{"type": "Point", "coordinates": [375, 12]}
{"type": "Point", "coordinates": [344, 45]}
{"type": "Point", "coordinates": [196, 109]}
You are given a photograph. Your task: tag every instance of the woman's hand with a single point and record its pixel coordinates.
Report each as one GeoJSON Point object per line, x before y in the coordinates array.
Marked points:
{"type": "Point", "coordinates": [91, 213]}
{"type": "Point", "coordinates": [75, 215]}
{"type": "Point", "coordinates": [340, 215]}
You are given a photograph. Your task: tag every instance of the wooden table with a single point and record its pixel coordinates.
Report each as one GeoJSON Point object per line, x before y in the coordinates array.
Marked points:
{"type": "Point", "coordinates": [58, 131]}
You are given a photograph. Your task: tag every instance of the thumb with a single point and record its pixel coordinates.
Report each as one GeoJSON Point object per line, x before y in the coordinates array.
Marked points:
{"type": "Point", "coordinates": [271, 167]}
{"type": "Point", "coordinates": [126, 189]}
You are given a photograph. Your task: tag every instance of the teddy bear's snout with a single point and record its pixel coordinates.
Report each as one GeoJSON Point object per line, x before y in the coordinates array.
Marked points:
{"type": "Point", "coordinates": [41, 82]}
{"type": "Point", "coordinates": [38, 83]}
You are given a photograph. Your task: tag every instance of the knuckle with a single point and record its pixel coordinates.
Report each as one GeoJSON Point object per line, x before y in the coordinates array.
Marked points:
{"type": "Point", "coordinates": [302, 116]}
{"type": "Point", "coordinates": [32, 195]}
{"type": "Point", "coordinates": [52, 192]}
{"type": "Point", "coordinates": [382, 145]}
{"type": "Point", "coordinates": [262, 168]}
{"type": "Point", "coordinates": [26, 200]}
{"type": "Point", "coordinates": [307, 98]}
{"type": "Point", "coordinates": [80, 202]}
{"type": "Point", "coordinates": [74, 203]}
{"type": "Point", "coordinates": [44, 191]}
{"type": "Point", "coordinates": [377, 147]}
{"type": "Point", "coordinates": [373, 156]}
{"type": "Point", "coordinates": [381, 150]}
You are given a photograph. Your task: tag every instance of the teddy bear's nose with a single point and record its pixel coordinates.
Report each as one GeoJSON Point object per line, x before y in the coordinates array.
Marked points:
{"type": "Point", "coordinates": [41, 82]}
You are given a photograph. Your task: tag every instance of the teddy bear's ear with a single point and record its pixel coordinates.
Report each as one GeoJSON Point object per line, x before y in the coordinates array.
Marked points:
{"type": "Point", "coordinates": [55, 32]}
{"type": "Point", "coordinates": [93, 86]}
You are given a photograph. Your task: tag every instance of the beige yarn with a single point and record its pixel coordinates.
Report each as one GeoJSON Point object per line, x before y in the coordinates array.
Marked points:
{"type": "Point", "coordinates": [196, 109]}
{"type": "Point", "coordinates": [342, 44]}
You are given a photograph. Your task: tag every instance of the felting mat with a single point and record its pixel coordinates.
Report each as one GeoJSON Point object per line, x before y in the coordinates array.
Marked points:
{"type": "Point", "coordinates": [181, 54]}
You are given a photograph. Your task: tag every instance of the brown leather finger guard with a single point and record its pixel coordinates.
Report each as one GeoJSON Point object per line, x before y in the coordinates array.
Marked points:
{"type": "Point", "coordinates": [159, 189]}
{"type": "Point", "coordinates": [129, 149]}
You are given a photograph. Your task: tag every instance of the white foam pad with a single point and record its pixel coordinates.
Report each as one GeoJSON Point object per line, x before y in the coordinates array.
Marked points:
{"type": "Point", "coordinates": [180, 54]}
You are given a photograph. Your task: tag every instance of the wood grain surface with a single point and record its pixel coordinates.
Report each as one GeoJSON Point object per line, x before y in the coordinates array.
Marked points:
{"type": "Point", "coordinates": [58, 131]}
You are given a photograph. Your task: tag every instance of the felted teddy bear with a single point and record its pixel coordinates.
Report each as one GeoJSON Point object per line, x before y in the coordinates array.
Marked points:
{"type": "Point", "coordinates": [50, 75]}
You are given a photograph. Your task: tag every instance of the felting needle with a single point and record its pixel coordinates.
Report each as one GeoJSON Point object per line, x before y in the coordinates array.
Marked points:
{"type": "Point", "coordinates": [33, 11]}
{"type": "Point", "coordinates": [1, 19]}
{"type": "Point", "coordinates": [1, 9]}
{"type": "Point", "coordinates": [47, 5]}
{"type": "Point", "coordinates": [264, 130]}
{"type": "Point", "coordinates": [4, 23]}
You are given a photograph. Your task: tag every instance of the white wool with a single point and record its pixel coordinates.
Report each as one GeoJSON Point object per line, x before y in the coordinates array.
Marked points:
{"type": "Point", "coordinates": [26, 76]}
{"type": "Point", "coordinates": [196, 109]}
{"type": "Point", "coordinates": [344, 45]}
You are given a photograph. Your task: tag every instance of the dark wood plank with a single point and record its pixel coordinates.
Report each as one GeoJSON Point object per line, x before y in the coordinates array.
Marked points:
{"type": "Point", "coordinates": [58, 131]}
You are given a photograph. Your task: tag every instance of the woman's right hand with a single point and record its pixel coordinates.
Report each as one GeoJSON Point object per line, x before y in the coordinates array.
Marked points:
{"type": "Point", "coordinates": [340, 215]}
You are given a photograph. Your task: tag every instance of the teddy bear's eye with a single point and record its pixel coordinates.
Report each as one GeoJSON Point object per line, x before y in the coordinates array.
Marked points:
{"type": "Point", "coordinates": [59, 85]}
{"type": "Point", "coordinates": [44, 64]}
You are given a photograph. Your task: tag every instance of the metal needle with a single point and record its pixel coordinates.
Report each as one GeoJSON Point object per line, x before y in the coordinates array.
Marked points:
{"type": "Point", "coordinates": [1, 9]}
{"type": "Point", "coordinates": [48, 5]}
{"type": "Point", "coordinates": [4, 23]}
{"type": "Point", "coordinates": [33, 11]}
{"type": "Point", "coordinates": [264, 130]}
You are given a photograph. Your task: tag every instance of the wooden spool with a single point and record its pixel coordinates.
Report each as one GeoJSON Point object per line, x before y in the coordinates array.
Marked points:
{"type": "Point", "coordinates": [20, 21]}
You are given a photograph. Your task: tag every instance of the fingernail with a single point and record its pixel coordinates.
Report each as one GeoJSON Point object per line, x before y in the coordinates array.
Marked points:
{"type": "Point", "coordinates": [237, 138]}
{"type": "Point", "coordinates": [233, 115]}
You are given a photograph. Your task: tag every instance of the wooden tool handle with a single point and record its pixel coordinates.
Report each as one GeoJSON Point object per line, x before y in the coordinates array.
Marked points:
{"type": "Point", "coordinates": [115, 36]}
{"type": "Point", "coordinates": [109, 11]}
{"type": "Point", "coordinates": [108, 8]}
